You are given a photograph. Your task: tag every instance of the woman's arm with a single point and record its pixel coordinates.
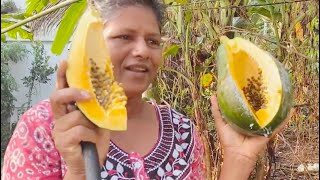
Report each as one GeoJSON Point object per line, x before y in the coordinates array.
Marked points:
{"type": "Point", "coordinates": [240, 152]}
{"type": "Point", "coordinates": [236, 167]}
{"type": "Point", "coordinates": [30, 153]}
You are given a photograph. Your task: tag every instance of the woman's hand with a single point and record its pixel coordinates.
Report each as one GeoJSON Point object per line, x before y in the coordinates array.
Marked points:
{"type": "Point", "coordinates": [240, 151]}
{"type": "Point", "coordinates": [71, 126]}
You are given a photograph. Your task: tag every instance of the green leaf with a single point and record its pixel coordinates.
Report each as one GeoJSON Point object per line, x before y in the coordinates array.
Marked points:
{"type": "Point", "coordinates": [182, 1]}
{"type": "Point", "coordinates": [208, 24]}
{"type": "Point", "coordinates": [5, 23]}
{"type": "Point", "coordinates": [53, 1]}
{"type": "Point", "coordinates": [261, 11]}
{"type": "Point", "coordinates": [19, 16]}
{"type": "Point", "coordinates": [21, 32]}
{"type": "Point", "coordinates": [171, 51]}
{"type": "Point", "coordinates": [168, 1]}
{"type": "Point", "coordinates": [44, 2]}
{"type": "Point", "coordinates": [257, 2]}
{"type": "Point", "coordinates": [315, 23]}
{"type": "Point", "coordinates": [39, 7]}
{"type": "Point", "coordinates": [24, 34]}
{"type": "Point", "coordinates": [199, 68]}
{"type": "Point", "coordinates": [206, 80]}
{"type": "Point", "coordinates": [3, 37]}
{"type": "Point", "coordinates": [32, 5]}
{"type": "Point", "coordinates": [12, 33]}
{"type": "Point", "coordinates": [188, 17]}
{"type": "Point", "coordinates": [67, 25]}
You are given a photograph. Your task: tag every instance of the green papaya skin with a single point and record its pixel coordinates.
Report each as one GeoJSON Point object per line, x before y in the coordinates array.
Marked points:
{"type": "Point", "coordinates": [234, 108]}
{"type": "Point", "coordinates": [231, 104]}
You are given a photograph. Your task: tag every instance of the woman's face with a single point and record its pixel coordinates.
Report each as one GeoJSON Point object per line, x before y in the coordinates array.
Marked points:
{"type": "Point", "coordinates": [133, 40]}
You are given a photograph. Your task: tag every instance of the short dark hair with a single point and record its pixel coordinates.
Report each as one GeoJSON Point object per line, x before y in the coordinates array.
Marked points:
{"type": "Point", "coordinates": [109, 6]}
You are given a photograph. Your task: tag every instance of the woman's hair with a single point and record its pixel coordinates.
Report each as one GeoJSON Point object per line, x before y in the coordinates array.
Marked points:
{"type": "Point", "coordinates": [110, 6]}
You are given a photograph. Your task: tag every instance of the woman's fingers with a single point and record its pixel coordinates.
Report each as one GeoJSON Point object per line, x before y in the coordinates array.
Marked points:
{"type": "Point", "coordinates": [220, 123]}
{"type": "Point", "coordinates": [79, 133]}
{"type": "Point", "coordinates": [61, 98]}
{"type": "Point", "coordinates": [71, 108]}
{"type": "Point", "coordinates": [68, 145]}
{"type": "Point", "coordinates": [69, 95]}
{"type": "Point", "coordinates": [72, 119]}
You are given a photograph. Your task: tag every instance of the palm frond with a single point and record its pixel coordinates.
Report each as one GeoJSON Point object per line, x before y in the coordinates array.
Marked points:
{"type": "Point", "coordinates": [49, 22]}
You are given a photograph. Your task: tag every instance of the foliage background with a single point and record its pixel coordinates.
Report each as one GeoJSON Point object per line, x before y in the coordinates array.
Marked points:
{"type": "Point", "coordinates": [289, 30]}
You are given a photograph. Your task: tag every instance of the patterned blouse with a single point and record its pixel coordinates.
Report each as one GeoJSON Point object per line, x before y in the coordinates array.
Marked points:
{"type": "Point", "coordinates": [178, 154]}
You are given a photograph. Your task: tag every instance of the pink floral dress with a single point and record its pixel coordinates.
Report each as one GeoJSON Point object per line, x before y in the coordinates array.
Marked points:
{"type": "Point", "coordinates": [178, 154]}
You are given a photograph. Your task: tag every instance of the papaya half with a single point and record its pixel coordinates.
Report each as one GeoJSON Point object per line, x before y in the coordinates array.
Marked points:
{"type": "Point", "coordinates": [254, 90]}
{"type": "Point", "coordinates": [90, 68]}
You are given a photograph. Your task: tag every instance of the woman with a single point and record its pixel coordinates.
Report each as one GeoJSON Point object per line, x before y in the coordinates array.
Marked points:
{"type": "Point", "coordinates": [45, 144]}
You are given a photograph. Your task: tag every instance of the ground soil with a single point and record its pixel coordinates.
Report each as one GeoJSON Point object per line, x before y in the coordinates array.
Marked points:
{"type": "Point", "coordinates": [296, 146]}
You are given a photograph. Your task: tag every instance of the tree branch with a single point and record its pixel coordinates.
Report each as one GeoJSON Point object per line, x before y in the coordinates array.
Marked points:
{"type": "Point", "coordinates": [36, 16]}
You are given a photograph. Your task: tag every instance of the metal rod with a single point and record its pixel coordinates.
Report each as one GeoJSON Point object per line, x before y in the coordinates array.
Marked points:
{"type": "Point", "coordinates": [91, 161]}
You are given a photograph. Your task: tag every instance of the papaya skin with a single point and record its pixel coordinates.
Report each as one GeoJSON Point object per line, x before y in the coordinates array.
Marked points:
{"type": "Point", "coordinates": [233, 107]}
{"type": "Point", "coordinates": [227, 89]}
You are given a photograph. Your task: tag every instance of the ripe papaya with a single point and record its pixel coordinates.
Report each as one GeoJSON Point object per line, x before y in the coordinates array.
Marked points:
{"type": "Point", "coordinates": [90, 68]}
{"type": "Point", "coordinates": [254, 90]}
